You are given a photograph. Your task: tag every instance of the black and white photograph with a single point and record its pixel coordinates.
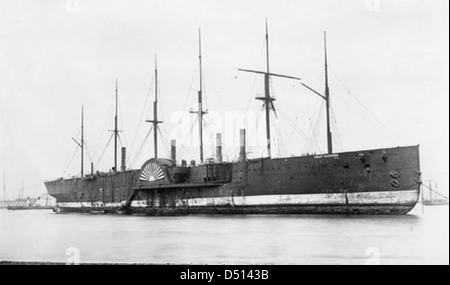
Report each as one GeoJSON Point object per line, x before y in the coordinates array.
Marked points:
{"type": "Point", "coordinates": [224, 132]}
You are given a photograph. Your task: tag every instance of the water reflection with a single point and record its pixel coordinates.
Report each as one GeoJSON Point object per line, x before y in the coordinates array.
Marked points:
{"type": "Point", "coordinates": [44, 236]}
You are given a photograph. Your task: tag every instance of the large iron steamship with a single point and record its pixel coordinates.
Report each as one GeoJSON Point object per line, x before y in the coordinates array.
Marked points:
{"type": "Point", "coordinates": [374, 181]}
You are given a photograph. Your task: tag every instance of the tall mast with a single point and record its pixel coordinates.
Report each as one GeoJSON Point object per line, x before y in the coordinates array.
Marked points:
{"type": "Point", "coordinates": [82, 141]}
{"type": "Point", "coordinates": [155, 111]}
{"type": "Point", "coordinates": [200, 94]}
{"type": "Point", "coordinates": [155, 121]}
{"type": "Point", "coordinates": [327, 98]}
{"type": "Point", "coordinates": [116, 131]}
{"type": "Point", "coordinates": [268, 101]}
{"type": "Point", "coordinates": [200, 111]}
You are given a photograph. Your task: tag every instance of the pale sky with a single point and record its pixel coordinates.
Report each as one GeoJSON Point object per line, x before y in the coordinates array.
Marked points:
{"type": "Point", "coordinates": [388, 64]}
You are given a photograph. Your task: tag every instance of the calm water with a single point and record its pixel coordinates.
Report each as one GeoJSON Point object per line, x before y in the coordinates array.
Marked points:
{"type": "Point", "coordinates": [44, 236]}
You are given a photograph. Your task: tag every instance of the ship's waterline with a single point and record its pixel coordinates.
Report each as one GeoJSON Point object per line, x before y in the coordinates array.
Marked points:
{"type": "Point", "coordinates": [366, 198]}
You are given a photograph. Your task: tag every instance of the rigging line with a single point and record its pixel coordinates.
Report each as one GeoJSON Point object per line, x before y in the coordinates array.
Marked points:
{"type": "Point", "coordinates": [138, 153]}
{"type": "Point", "coordinates": [120, 140]}
{"type": "Point", "coordinates": [283, 144]}
{"type": "Point", "coordinates": [292, 133]}
{"type": "Point", "coordinates": [298, 130]}
{"type": "Point", "coordinates": [69, 159]}
{"type": "Point", "coordinates": [87, 151]}
{"type": "Point", "coordinates": [144, 111]}
{"type": "Point", "coordinates": [105, 127]}
{"type": "Point", "coordinates": [123, 124]}
{"type": "Point", "coordinates": [357, 100]}
{"type": "Point", "coordinates": [204, 92]}
{"type": "Point", "coordinates": [368, 122]}
{"type": "Point", "coordinates": [210, 135]}
{"type": "Point", "coordinates": [315, 118]}
{"type": "Point", "coordinates": [70, 162]}
{"type": "Point", "coordinates": [434, 191]}
{"type": "Point", "coordinates": [164, 127]}
{"type": "Point", "coordinates": [312, 134]}
{"type": "Point", "coordinates": [225, 93]}
{"type": "Point", "coordinates": [335, 127]}
{"type": "Point", "coordinates": [166, 146]}
{"type": "Point", "coordinates": [182, 146]}
{"type": "Point", "coordinates": [280, 142]}
{"type": "Point", "coordinates": [318, 122]}
{"type": "Point", "coordinates": [75, 147]}
{"type": "Point", "coordinates": [275, 137]}
{"type": "Point", "coordinates": [362, 110]}
{"type": "Point", "coordinates": [104, 150]}
{"type": "Point", "coordinates": [255, 77]}
{"type": "Point", "coordinates": [365, 108]}
{"type": "Point", "coordinates": [188, 98]}
{"type": "Point", "coordinates": [314, 130]}
{"type": "Point", "coordinates": [315, 79]}
{"type": "Point", "coordinates": [65, 166]}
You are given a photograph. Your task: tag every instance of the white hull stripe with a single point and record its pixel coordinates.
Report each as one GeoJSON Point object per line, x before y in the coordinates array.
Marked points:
{"type": "Point", "coordinates": [89, 205]}
{"type": "Point", "coordinates": [397, 197]}
{"type": "Point", "coordinates": [360, 198]}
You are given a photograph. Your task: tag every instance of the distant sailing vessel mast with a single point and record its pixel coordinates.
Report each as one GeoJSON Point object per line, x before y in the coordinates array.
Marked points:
{"type": "Point", "coordinates": [4, 187]}
{"type": "Point", "coordinates": [200, 112]}
{"type": "Point", "coordinates": [155, 121]}
{"type": "Point", "coordinates": [268, 100]}
{"type": "Point", "coordinates": [81, 143]}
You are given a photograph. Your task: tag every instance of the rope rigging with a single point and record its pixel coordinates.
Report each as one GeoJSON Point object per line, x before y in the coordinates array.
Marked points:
{"type": "Point", "coordinates": [298, 130]}
{"type": "Point", "coordinates": [434, 191]}
{"type": "Point", "coordinates": [141, 118]}
{"type": "Point", "coordinates": [69, 158]}
{"type": "Point", "coordinates": [315, 129]}
{"type": "Point", "coordinates": [104, 128]}
{"type": "Point", "coordinates": [104, 150]}
{"type": "Point", "coordinates": [183, 147]}
{"type": "Point", "coordinates": [165, 138]}
{"type": "Point", "coordinates": [291, 135]}
{"type": "Point", "coordinates": [380, 126]}
{"type": "Point", "coordinates": [70, 162]}
{"type": "Point", "coordinates": [87, 151]}
{"type": "Point", "coordinates": [138, 154]}
{"type": "Point", "coordinates": [337, 135]}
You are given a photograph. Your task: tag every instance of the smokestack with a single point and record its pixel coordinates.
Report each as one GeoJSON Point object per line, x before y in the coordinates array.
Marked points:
{"type": "Point", "coordinates": [123, 166]}
{"type": "Point", "coordinates": [219, 148]}
{"type": "Point", "coordinates": [173, 151]}
{"type": "Point", "coordinates": [242, 152]}
{"type": "Point", "coordinates": [92, 168]}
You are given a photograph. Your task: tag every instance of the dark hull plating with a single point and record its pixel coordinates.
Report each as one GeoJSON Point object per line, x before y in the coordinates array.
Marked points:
{"type": "Point", "coordinates": [382, 181]}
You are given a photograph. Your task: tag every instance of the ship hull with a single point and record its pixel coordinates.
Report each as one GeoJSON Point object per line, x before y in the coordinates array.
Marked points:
{"type": "Point", "coordinates": [384, 181]}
